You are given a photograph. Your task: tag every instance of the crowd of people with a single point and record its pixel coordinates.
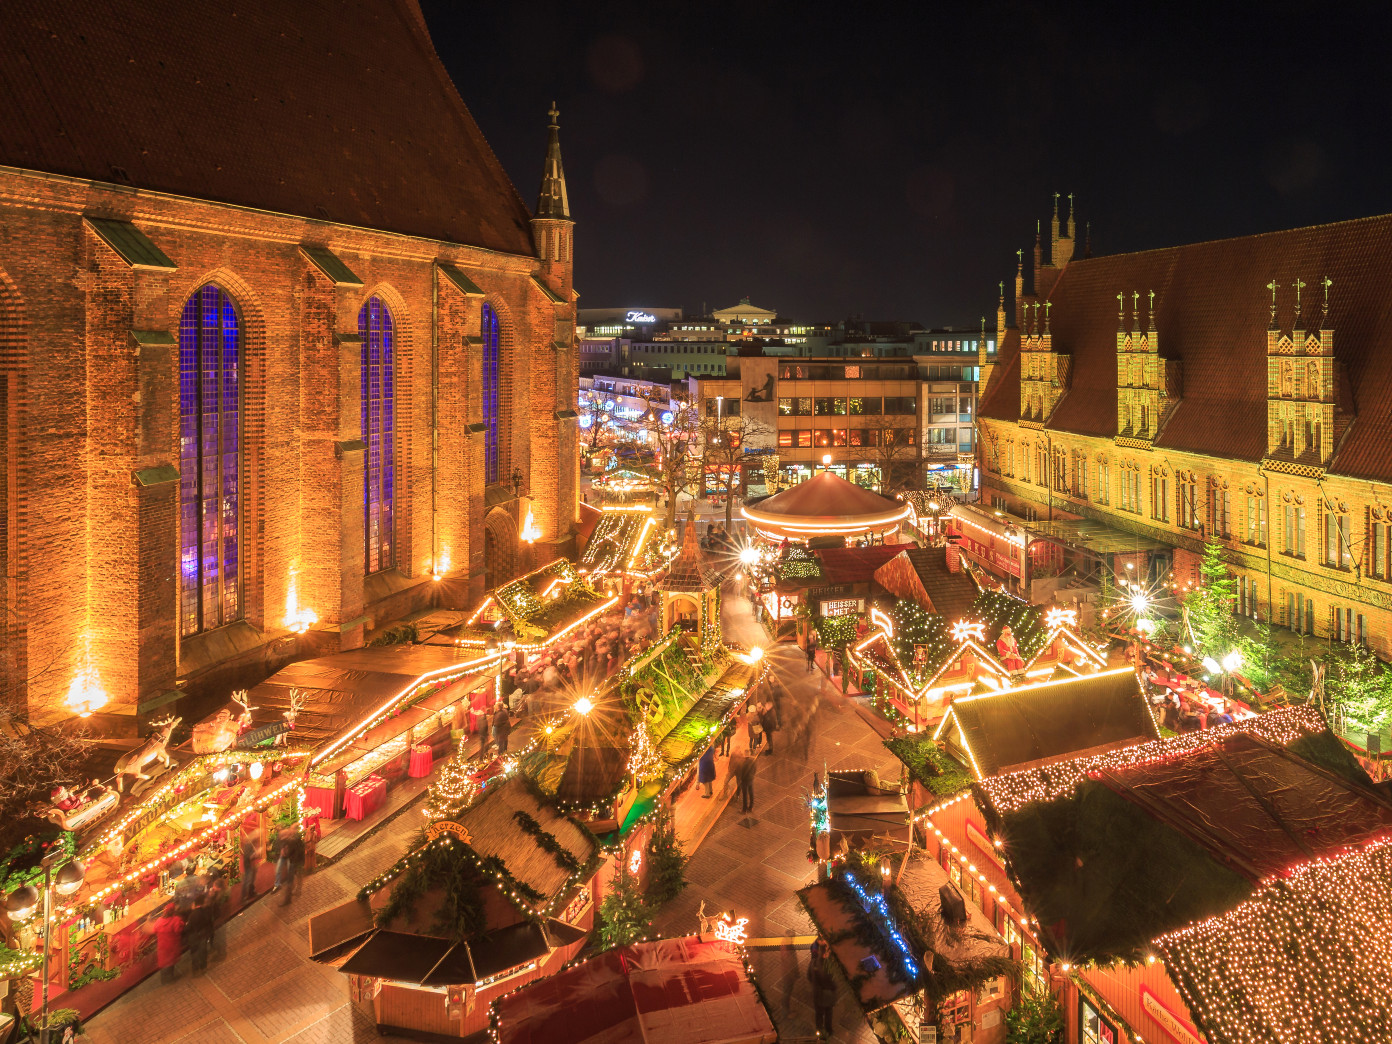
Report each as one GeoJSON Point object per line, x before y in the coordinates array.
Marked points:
{"type": "Point", "coordinates": [1184, 705]}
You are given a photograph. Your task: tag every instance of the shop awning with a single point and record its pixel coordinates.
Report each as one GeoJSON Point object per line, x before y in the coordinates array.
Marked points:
{"type": "Point", "coordinates": [1098, 538]}
{"type": "Point", "coordinates": [338, 927]}
{"type": "Point", "coordinates": [343, 689]}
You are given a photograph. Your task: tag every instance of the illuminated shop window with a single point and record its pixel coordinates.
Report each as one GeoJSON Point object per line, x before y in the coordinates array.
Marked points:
{"type": "Point", "coordinates": [210, 349]}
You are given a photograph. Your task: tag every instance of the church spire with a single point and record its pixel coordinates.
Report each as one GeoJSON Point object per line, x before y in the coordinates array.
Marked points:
{"type": "Point", "coordinates": [552, 202]}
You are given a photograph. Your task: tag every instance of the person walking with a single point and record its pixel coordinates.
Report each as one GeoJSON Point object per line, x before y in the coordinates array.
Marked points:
{"type": "Point", "coordinates": [755, 730]}
{"type": "Point", "coordinates": [823, 998]}
{"type": "Point", "coordinates": [705, 771]}
{"type": "Point", "coordinates": [188, 893]}
{"type": "Point", "coordinates": [746, 783]}
{"type": "Point", "coordinates": [198, 935]}
{"type": "Point", "coordinates": [168, 930]}
{"type": "Point", "coordinates": [251, 856]}
{"type": "Point", "coordinates": [811, 651]}
{"type": "Point", "coordinates": [768, 722]}
{"type": "Point", "coordinates": [216, 899]}
{"type": "Point", "coordinates": [502, 727]}
{"type": "Point", "coordinates": [291, 858]}
{"type": "Point", "coordinates": [726, 735]}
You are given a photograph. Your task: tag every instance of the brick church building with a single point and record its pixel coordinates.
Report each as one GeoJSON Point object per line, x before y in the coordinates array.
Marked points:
{"type": "Point", "coordinates": [1234, 391]}
{"type": "Point", "coordinates": [280, 343]}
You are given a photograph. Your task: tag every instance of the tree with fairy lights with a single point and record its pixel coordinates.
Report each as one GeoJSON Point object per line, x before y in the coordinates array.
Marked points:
{"type": "Point", "coordinates": [454, 789]}
{"type": "Point", "coordinates": [643, 763]}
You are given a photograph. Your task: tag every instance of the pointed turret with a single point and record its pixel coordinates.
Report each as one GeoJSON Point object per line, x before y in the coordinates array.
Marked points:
{"type": "Point", "coordinates": [552, 201]}
{"type": "Point", "coordinates": [553, 230]}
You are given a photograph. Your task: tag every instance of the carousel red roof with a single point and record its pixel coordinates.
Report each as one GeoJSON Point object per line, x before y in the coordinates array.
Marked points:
{"type": "Point", "coordinates": [829, 503]}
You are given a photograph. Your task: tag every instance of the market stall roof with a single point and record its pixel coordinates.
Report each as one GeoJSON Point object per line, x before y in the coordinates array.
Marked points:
{"type": "Point", "coordinates": [825, 504]}
{"type": "Point", "coordinates": [836, 919]}
{"type": "Point", "coordinates": [339, 926]}
{"type": "Point", "coordinates": [855, 565]}
{"type": "Point", "coordinates": [1111, 850]}
{"type": "Point", "coordinates": [343, 689]}
{"type": "Point", "coordinates": [494, 824]}
{"type": "Point", "coordinates": [677, 991]}
{"type": "Point", "coordinates": [922, 573]}
{"type": "Point", "coordinates": [689, 571]}
{"type": "Point", "coordinates": [1323, 927]}
{"type": "Point", "coordinates": [1035, 724]}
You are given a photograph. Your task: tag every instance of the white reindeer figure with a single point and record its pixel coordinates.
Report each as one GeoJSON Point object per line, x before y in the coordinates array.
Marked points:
{"type": "Point", "coordinates": [152, 750]}
{"type": "Point", "coordinates": [243, 700]}
{"type": "Point", "coordinates": [298, 699]}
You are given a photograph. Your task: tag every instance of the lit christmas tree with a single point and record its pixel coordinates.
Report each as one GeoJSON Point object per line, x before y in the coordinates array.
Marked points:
{"type": "Point", "coordinates": [454, 789]}
{"type": "Point", "coordinates": [643, 762]}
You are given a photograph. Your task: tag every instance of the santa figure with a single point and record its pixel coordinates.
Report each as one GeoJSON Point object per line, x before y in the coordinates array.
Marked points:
{"type": "Point", "coordinates": [1008, 651]}
{"type": "Point", "coordinates": [63, 799]}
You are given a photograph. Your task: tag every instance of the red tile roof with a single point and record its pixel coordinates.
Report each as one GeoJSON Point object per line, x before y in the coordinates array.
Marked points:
{"type": "Point", "coordinates": [288, 107]}
{"type": "Point", "coordinates": [1213, 310]}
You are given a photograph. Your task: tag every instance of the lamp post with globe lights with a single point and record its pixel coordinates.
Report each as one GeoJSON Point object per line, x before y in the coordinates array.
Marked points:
{"type": "Point", "coordinates": [23, 901]}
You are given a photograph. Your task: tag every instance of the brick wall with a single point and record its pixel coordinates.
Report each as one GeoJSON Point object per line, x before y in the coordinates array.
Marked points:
{"type": "Point", "coordinates": [88, 404]}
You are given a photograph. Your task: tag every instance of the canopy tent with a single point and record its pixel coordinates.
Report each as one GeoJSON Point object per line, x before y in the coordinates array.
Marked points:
{"type": "Point", "coordinates": [825, 505]}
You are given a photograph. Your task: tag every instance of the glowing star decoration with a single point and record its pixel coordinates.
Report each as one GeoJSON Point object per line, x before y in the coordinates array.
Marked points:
{"type": "Point", "coordinates": [965, 629]}
{"type": "Point", "coordinates": [86, 694]}
{"type": "Point", "coordinates": [730, 931]}
{"type": "Point", "coordinates": [531, 532]}
{"type": "Point", "coordinates": [1056, 618]}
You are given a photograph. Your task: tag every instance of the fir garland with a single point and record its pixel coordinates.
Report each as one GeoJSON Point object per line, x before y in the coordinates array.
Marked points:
{"type": "Point", "coordinates": [564, 858]}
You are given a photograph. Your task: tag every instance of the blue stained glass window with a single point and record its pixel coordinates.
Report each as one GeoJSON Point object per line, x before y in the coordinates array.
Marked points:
{"type": "Point", "coordinates": [491, 354]}
{"type": "Point", "coordinates": [378, 429]}
{"type": "Point", "coordinates": [209, 461]}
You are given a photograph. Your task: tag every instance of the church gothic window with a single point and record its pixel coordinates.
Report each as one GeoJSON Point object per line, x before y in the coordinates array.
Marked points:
{"type": "Point", "coordinates": [378, 331]}
{"type": "Point", "coordinates": [492, 355]}
{"type": "Point", "coordinates": [210, 388]}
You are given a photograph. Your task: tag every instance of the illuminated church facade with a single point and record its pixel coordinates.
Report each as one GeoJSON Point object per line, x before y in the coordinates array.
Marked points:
{"type": "Point", "coordinates": [283, 354]}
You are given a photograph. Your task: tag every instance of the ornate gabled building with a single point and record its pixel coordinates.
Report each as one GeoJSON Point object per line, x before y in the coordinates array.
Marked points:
{"type": "Point", "coordinates": [280, 344]}
{"type": "Point", "coordinates": [1233, 391]}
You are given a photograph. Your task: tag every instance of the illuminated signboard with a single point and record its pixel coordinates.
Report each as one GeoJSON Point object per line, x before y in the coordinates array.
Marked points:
{"type": "Point", "coordinates": [640, 317]}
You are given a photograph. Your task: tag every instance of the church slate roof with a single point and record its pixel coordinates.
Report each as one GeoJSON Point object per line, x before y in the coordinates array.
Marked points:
{"type": "Point", "coordinates": [1213, 310]}
{"type": "Point", "coordinates": [325, 109]}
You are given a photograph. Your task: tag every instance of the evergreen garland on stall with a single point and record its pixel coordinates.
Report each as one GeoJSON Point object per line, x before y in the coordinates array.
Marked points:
{"type": "Point", "coordinates": [547, 842]}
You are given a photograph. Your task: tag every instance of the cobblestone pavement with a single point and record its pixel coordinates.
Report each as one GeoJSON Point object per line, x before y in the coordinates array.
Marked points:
{"type": "Point", "coordinates": [752, 864]}
{"type": "Point", "coordinates": [267, 991]}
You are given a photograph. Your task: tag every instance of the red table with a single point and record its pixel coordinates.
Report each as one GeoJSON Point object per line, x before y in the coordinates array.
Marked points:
{"type": "Point", "coordinates": [321, 798]}
{"type": "Point", "coordinates": [422, 757]}
{"type": "Point", "coordinates": [365, 797]}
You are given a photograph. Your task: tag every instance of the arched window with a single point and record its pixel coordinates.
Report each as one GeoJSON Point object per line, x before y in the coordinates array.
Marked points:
{"type": "Point", "coordinates": [210, 390]}
{"type": "Point", "coordinates": [492, 351]}
{"type": "Point", "coordinates": [378, 413]}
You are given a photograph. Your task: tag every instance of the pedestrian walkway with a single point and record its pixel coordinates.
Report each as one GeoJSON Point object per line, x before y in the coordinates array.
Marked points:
{"type": "Point", "coordinates": [752, 864]}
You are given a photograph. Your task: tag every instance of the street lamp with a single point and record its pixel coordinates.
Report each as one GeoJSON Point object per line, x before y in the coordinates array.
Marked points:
{"type": "Point", "coordinates": [22, 902]}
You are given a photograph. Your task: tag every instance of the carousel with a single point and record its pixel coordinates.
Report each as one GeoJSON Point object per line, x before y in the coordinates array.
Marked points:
{"type": "Point", "coordinates": [826, 506]}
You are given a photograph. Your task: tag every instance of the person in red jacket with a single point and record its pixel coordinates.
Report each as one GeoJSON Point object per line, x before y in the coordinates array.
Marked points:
{"type": "Point", "coordinates": [168, 930]}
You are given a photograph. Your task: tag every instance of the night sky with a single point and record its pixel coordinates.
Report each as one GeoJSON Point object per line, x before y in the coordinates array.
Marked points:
{"type": "Point", "coordinates": [887, 160]}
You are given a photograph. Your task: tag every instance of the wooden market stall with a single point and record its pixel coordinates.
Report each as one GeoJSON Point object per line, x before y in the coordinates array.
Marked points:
{"type": "Point", "coordinates": [500, 894]}
{"type": "Point", "coordinates": [677, 991]}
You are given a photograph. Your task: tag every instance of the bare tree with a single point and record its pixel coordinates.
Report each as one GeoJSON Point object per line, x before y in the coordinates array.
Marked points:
{"type": "Point", "coordinates": [893, 447]}
{"type": "Point", "coordinates": [725, 442]}
{"type": "Point", "coordinates": [597, 408]}
{"type": "Point", "coordinates": [34, 759]}
{"type": "Point", "coordinates": [676, 466]}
